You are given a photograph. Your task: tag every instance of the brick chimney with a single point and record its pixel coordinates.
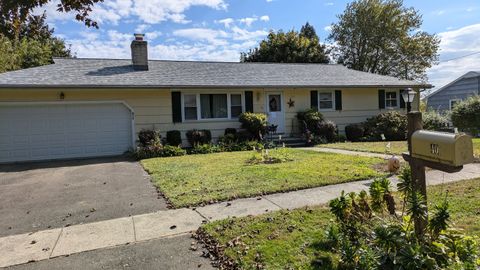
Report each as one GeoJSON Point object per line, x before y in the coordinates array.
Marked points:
{"type": "Point", "coordinates": [139, 53]}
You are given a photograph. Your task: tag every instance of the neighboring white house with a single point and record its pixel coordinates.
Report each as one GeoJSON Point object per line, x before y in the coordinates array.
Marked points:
{"type": "Point", "coordinates": [445, 98]}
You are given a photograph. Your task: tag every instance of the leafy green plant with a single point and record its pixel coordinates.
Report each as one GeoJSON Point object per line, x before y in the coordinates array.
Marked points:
{"type": "Point", "coordinates": [254, 123]}
{"type": "Point", "coordinates": [173, 151]}
{"type": "Point", "coordinates": [204, 149]}
{"type": "Point", "coordinates": [466, 115]}
{"type": "Point", "coordinates": [310, 120]}
{"type": "Point", "coordinates": [270, 156]}
{"type": "Point", "coordinates": [369, 233]}
{"type": "Point", "coordinates": [328, 130]}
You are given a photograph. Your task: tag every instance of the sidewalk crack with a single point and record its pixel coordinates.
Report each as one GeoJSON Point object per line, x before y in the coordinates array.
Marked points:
{"type": "Point", "coordinates": [265, 198]}
{"type": "Point", "coordinates": [134, 230]}
{"type": "Point", "coordinates": [56, 242]}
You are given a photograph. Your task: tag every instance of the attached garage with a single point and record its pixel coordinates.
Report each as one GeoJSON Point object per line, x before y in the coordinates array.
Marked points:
{"type": "Point", "coordinates": [59, 130]}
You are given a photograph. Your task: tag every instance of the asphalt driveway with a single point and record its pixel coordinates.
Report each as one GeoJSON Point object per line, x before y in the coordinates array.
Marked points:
{"type": "Point", "coordinates": [38, 196]}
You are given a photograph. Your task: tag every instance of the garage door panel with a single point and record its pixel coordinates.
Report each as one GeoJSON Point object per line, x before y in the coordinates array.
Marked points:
{"type": "Point", "coordinates": [36, 132]}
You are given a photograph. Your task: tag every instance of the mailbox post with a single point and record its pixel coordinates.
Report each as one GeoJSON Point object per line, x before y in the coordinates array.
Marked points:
{"type": "Point", "coordinates": [419, 183]}
{"type": "Point", "coordinates": [437, 150]}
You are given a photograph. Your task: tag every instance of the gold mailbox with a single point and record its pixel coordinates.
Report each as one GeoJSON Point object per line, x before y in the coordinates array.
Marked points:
{"type": "Point", "coordinates": [445, 148]}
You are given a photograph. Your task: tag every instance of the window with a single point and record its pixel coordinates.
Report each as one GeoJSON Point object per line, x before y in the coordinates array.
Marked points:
{"type": "Point", "coordinates": [391, 99]}
{"type": "Point", "coordinates": [236, 107]}
{"type": "Point", "coordinates": [212, 106]}
{"type": "Point", "coordinates": [274, 103]}
{"type": "Point", "coordinates": [453, 102]}
{"type": "Point", "coordinates": [190, 107]}
{"type": "Point", "coordinates": [325, 100]}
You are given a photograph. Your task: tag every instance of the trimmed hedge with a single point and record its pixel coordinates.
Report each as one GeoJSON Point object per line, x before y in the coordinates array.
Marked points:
{"type": "Point", "coordinates": [174, 137]}
{"type": "Point", "coordinates": [354, 132]}
{"type": "Point", "coordinates": [254, 123]}
{"type": "Point", "coordinates": [196, 137]}
{"type": "Point", "coordinates": [466, 115]}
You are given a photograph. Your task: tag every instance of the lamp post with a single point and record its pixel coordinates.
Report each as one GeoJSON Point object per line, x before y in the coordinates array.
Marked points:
{"type": "Point", "coordinates": [408, 96]}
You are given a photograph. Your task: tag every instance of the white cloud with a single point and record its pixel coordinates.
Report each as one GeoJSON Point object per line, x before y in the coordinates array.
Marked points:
{"type": "Point", "coordinates": [439, 12]}
{"type": "Point", "coordinates": [226, 22]}
{"type": "Point", "coordinates": [141, 28]}
{"type": "Point", "coordinates": [329, 4]}
{"type": "Point", "coordinates": [456, 43]}
{"type": "Point", "coordinates": [152, 35]}
{"type": "Point", "coordinates": [265, 18]}
{"type": "Point", "coordinates": [148, 11]}
{"type": "Point", "coordinates": [248, 21]}
{"type": "Point", "coordinates": [243, 34]}
{"type": "Point", "coordinates": [214, 37]}
{"type": "Point", "coordinates": [328, 28]}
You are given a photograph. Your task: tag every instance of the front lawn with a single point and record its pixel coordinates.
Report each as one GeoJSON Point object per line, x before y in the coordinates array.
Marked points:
{"type": "Point", "coordinates": [292, 239]}
{"type": "Point", "coordinates": [198, 179]}
{"type": "Point", "coordinates": [396, 147]}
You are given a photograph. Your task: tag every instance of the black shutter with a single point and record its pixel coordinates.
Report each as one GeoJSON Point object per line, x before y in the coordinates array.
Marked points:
{"type": "Point", "coordinates": [176, 107]}
{"type": "Point", "coordinates": [402, 102]}
{"type": "Point", "coordinates": [338, 100]}
{"type": "Point", "coordinates": [381, 99]}
{"type": "Point", "coordinates": [248, 101]}
{"type": "Point", "coordinates": [314, 99]}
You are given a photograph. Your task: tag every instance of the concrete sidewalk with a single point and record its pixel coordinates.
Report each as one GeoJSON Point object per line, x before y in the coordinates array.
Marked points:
{"type": "Point", "coordinates": [19, 249]}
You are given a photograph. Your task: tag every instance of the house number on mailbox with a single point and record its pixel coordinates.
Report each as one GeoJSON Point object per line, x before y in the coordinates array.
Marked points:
{"type": "Point", "coordinates": [434, 149]}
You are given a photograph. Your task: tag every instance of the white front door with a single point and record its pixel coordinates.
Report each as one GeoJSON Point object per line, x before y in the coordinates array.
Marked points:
{"type": "Point", "coordinates": [276, 111]}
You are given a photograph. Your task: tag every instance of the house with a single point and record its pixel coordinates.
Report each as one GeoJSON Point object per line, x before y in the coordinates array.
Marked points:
{"type": "Point", "coordinates": [95, 107]}
{"type": "Point", "coordinates": [460, 89]}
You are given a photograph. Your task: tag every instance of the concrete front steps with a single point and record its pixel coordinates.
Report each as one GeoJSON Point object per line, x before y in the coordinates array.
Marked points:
{"type": "Point", "coordinates": [289, 141]}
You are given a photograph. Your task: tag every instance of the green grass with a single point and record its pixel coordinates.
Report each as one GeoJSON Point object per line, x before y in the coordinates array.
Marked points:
{"type": "Point", "coordinates": [396, 147]}
{"type": "Point", "coordinates": [196, 179]}
{"type": "Point", "coordinates": [291, 239]}
{"type": "Point", "coordinates": [476, 147]}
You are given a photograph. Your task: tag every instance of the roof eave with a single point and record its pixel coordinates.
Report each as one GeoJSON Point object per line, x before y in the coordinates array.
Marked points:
{"type": "Point", "coordinates": [17, 86]}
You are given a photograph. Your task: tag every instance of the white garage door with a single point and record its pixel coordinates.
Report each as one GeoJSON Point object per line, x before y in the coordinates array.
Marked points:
{"type": "Point", "coordinates": [56, 131]}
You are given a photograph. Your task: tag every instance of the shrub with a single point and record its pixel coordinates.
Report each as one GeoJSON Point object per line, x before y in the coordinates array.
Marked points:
{"type": "Point", "coordinates": [230, 131]}
{"type": "Point", "coordinates": [310, 119]}
{"type": "Point", "coordinates": [327, 130]}
{"type": "Point", "coordinates": [173, 151]}
{"type": "Point", "coordinates": [148, 137]}
{"type": "Point", "coordinates": [466, 115]}
{"type": "Point", "coordinates": [157, 150]}
{"type": "Point", "coordinates": [174, 137]}
{"type": "Point", "coordinates": [244, 136]}
{"type": "Point", "coordinates": [340, 138]}
{"type": "Point", "coordinates": [204, 149]}
{"type": "Point", "coordinates": [432, 120]}
{"type": "Point", "coordinates": [354, 132]}
{"type": "Point", "coordinates": [195, 137]}
{"type": "Point", "coordinates": [369, 233]}
{"type": "Point", "coordinates": [255, 123]}
{"type": "Point", "coordinates": [391, 124]}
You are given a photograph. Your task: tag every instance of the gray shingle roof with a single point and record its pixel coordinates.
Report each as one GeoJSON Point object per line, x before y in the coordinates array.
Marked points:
{"type": "Point", "coordinates": [178, 74]}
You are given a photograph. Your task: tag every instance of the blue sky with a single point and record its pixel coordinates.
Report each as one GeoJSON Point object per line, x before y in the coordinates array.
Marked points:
{"type": "Point", "coordinates": [220, 29]}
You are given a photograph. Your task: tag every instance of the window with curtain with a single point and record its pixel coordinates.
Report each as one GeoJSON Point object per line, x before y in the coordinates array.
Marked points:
{"type": "Point", "coordinates": [190, 107]}
{"type": "Point", "coordinates": [213, 106]}
{"type": "Point", "coordinates": [236, 107]}
{"type": "Point", "coordinates": [391, 100]}
{"type": "Point", "coordinates": [325, 100]}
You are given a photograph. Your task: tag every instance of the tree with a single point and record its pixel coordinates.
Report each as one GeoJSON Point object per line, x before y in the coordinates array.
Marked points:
{"type": "Point", "coordinates": [384, 37]}
{"type": "Point", "coordinates": [33, 45]}
{"type": "Point", "coordinates": [289, 47]}
{"type": "Point", "coordinates": [14, 13]}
